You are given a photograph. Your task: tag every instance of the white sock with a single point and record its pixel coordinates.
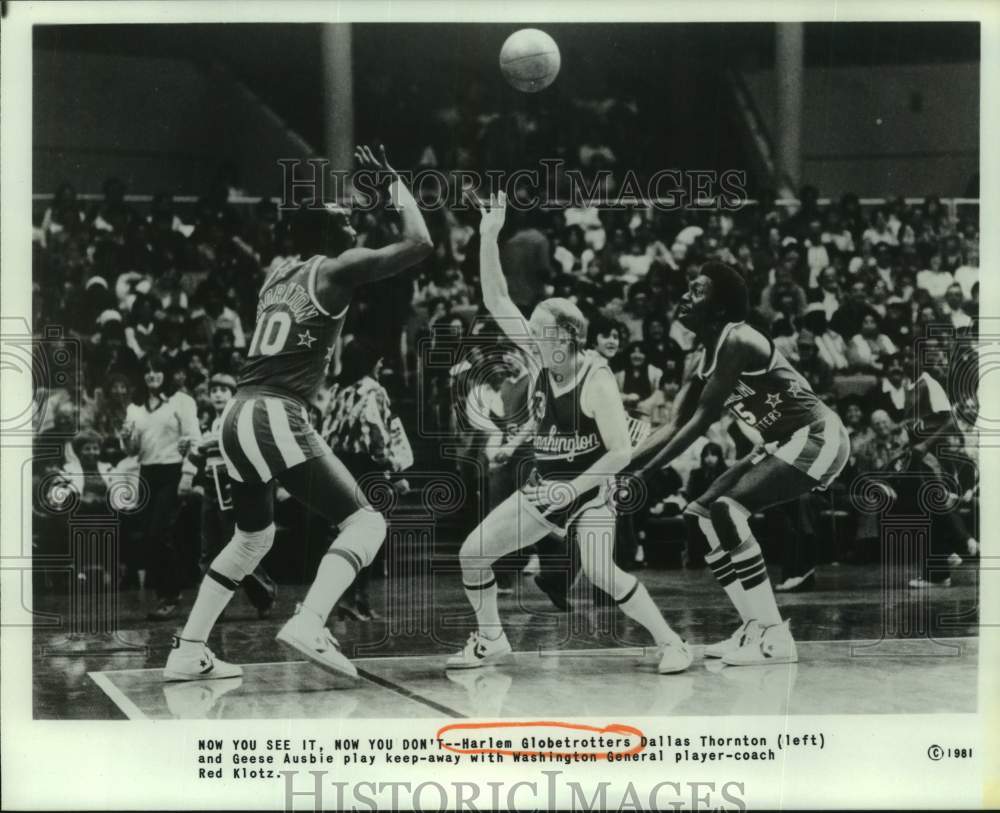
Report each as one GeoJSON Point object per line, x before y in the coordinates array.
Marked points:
{"type": "Point", "coordinates": [484, 601]}
{"type": "Point", "coordinates": [211, 601]}
{"type": "Point", "coordinates": [638, 605]}
{"type": "Point", "coordinates": [750, 567]}
{"type": "Point", "coordinates": [334, 576]}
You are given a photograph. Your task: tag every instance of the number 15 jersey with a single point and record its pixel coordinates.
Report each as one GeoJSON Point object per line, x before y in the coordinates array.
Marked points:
{"type": "Point", "coordinates": [775, 400]}
{"type": "Point", "coordinates": [294, 336]}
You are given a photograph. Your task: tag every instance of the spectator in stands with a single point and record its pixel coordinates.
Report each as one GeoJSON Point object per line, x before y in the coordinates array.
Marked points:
{"type": "Point", "coordinates": [879, 298]}
{"type": "Point", "coordinates": [784, 285]}
{"type": "Point", "coordinates": [869, 347]}
{"type": "Point", "coordinates": [967, 274]}
{"type": "Point", "coordinates": [852, 413]}
{"type": "Point", "coordinates": [567, 247]}
{"type": "Point", "coordinates": [605, 336]}
{"type": "Point", "coordinates": [110, 354]}
{"type": "Point", "coordinates": [113, 216]}
{"type": "Point", "coordinates": [828, 292]}
{"type": "Point", "coordinates": [64, 217]}
{"type": "Point", "coordinates": [639, 383]}
{"type": "Point", "coordinates": [837, 233]}
{"type": "Point", "coordinates": [817, 257]}
{"type": "Point", "coordinates": [447, 284]}
{"type": "Point", "coordinates": [160, 431]}
{"type": "Point", "coordinates": [954, 307]}
{"type": "Point", "coordinates": [222, 316]}
{"type": "Point", "coordinates": [141, 333]}
{"type": "Point", "coordinates": [874, 453]}
{"type": "Point", "coordinates": [636, 311]}
{"type": "Point", "coordinates": [893, 394]}
{"type": "Point", "coordinates": [661, 350]}
{"type": "Point", "coordinates": [88, 475]}
{"type": "Point", "coordinates": [172, 331]}
{"type": "Point", "coordinates": [928, 315]}
{"type": "Point", "coordinates": [951, 252]}
{"type": "Point", "coordinates": [883, 267]}
{"type": "Point", "coordinates": [934, 279]}
{"type": "Point", "coordinates": [830, 345]}
{"type": "Point", "coordinates": [898, 321]}
{"type": "Point", "coordinates": [813, 368]}
{"type": "Point", "coordinates": [878, 231]}
{"type": "Point", "coordinates": [112, 401]}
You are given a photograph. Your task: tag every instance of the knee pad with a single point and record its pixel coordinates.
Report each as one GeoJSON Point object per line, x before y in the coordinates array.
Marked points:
{"type": "Point", "coordinates": [243, 553]}
{"type": "Point", "coordinates": [361, 536]}
{"type": "Point", "coordinates": [731, 522]}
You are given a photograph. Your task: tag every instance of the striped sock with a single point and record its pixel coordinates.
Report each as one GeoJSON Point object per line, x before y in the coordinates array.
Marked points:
{"type": "Point", "coordinates": [638, 605]}
{"type": "Point", "coordinates": [483, 598]}
{"type": "Point", "coordinates": [752, 572]}
{"type": "Point", "coordinates": [725, 574]}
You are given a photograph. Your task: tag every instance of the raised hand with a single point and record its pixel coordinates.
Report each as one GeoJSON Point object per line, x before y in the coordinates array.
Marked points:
{"type": "Point", "coordinates": [366, 159]}
{"type": "Point", "coordinates": [493, 216]}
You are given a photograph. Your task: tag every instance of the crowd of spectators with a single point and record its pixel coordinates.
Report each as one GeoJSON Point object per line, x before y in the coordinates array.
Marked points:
{"type": "Point", "coordinates": [862, 300]}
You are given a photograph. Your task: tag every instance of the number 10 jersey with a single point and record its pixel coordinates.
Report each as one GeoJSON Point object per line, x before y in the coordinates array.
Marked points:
{"type": "Point", "coordinates": [294, 336]}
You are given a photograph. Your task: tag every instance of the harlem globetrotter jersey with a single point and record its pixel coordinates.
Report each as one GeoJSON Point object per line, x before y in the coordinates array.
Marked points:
{"type": "Point", "coordinates": [776, 400]}
{"type": "Point", "coordinates": [294, 336]}
{"type": "Point", "coordinates": [566, 440]}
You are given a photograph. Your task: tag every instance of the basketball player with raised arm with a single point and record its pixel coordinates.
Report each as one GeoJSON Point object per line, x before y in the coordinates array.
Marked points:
{"type": "Point", "coordinates": [266, 435]}
{"type": "Point", "coordinates": [805, 447]}
{"type": "Point", "coordinates": [581, 441]}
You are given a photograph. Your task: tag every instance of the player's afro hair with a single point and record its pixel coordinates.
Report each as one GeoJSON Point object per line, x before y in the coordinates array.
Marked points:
{"type": "Point", "coordinates": [317, 228]}
{"type": "Point", "coordinates": [729, 290]}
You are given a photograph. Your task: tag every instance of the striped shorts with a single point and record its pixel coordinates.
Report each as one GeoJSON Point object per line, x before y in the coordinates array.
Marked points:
{"type": "Point", "coordinates": [820, 449]}
{"type": "Point", "coordinates": [263, 435]}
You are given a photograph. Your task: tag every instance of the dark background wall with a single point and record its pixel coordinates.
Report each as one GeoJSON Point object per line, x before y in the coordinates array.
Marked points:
{"type": "Point", "coordinates": [164, 105]}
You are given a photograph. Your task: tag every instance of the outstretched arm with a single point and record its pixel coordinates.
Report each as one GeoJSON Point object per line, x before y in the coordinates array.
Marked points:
{"type": "Point", "coordinates": [495, 294]}
{"type": "Point", "coordinates": [359, 266]}
{"type": "Point", "coordinates": [687, 401]}
{"type": "Point", "coordinates": [732, 361]}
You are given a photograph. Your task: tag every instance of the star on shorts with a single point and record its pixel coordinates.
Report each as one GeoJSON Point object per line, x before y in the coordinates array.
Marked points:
{"type": "Point", "coordinates": [306, 339]}
{"type": "Point", "coordinates": [773, 399]}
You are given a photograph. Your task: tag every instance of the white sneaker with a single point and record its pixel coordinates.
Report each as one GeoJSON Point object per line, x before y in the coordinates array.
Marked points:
{"type": "Point", "coordinates": [918, 584]}
{"type": "Point", "coordinates": [954, 560]}
{"type": "Point", "coordinates": [304, 634]}
{"type": "Point", "coordinates": [764, 645]}
{"type": "Point", "coordinates": [480, 651]}
{"type": "Point", "coordinates": [972, 546]}
{"type": "Point", "coordinates": [674, 657]}
{"type": "Point", "coordinates": [533, 567]}
{"type": "Point", "coordinates": [734, 641]}
{"type": "Point", "coordinates": [197, 663]}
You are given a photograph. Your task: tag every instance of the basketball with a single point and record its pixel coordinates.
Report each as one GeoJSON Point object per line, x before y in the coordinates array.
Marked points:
{"type": "Point", "coordinates": [529, 60]}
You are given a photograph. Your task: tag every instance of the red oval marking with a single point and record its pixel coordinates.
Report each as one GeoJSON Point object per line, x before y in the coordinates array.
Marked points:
{"type": "Point", "coordinates": [611, 729]}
